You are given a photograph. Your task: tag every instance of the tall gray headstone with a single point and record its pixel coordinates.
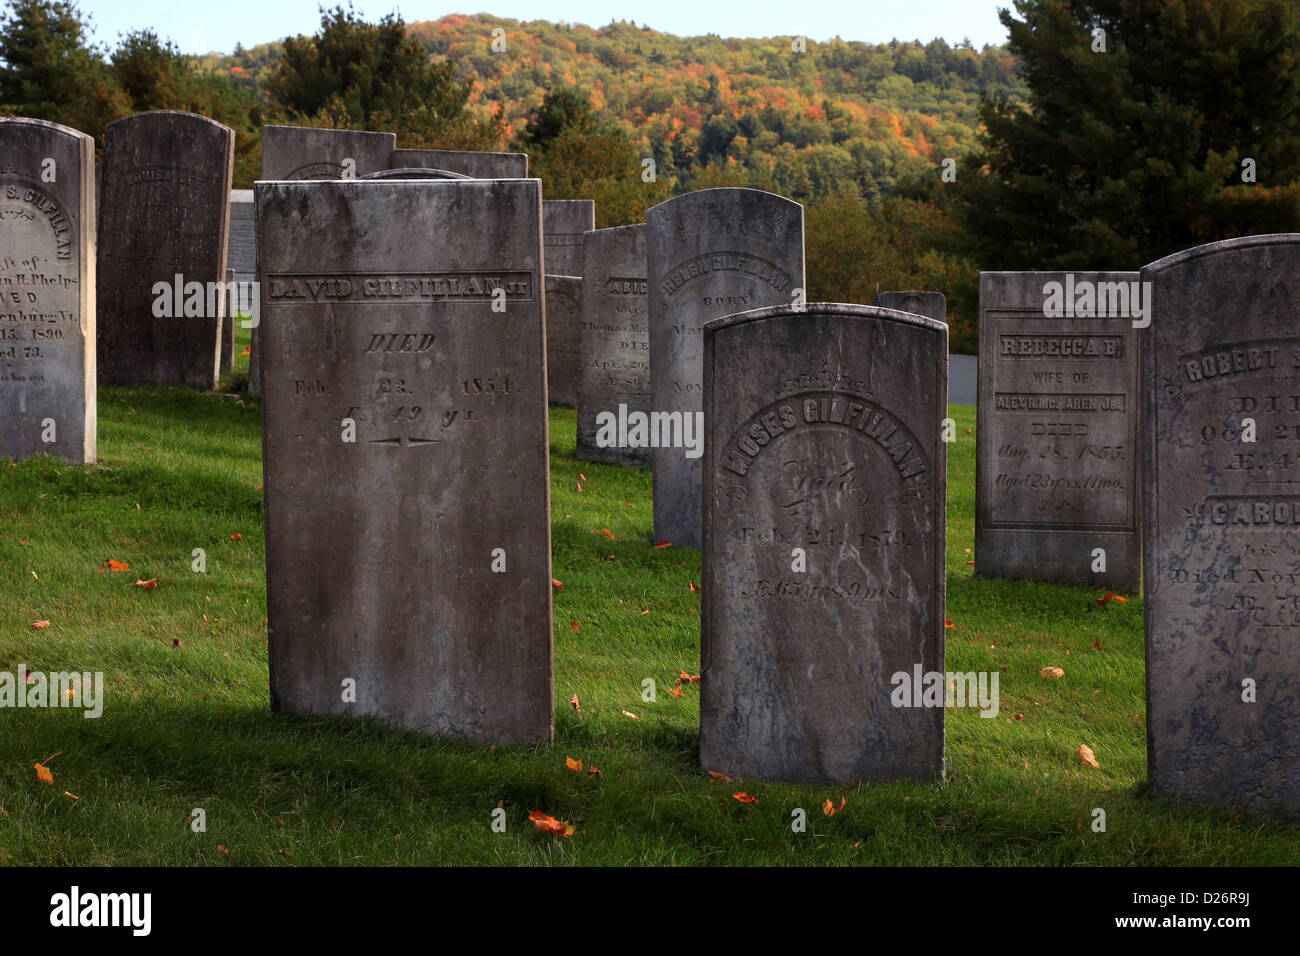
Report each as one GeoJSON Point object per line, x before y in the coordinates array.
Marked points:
{"type": "Point", "coordinates": [228, 309]}
{"type": "Point", "coordinates": [472, 163]}
{"type": "Point", "coordinates": [564, 223]}
{"type": "Point", "coordinates": [1056, 486]}
{"type": "Point", "coordinates": [709, 253]}
{"type": "Point", "coordinates": [824, 531]}
{"type": "Point", "coordinates": [405, 449]}
{"type": "Point", "coordinates": [563, 320]}
{"type": "Point", "coordinates": [934, 305]}
{"type": "Point", "coordinates": [163, 231]}
{"type": "Point", "coordinates": [47, 291]}
{"type": "Point", "coordinates": [614, 348]}
{"type": "Point", "coordinates": [241, 249]}
{"type": "Point", "coordinates": [1221, 550]}
{"type": "Point", "coordinates": [301, 152]}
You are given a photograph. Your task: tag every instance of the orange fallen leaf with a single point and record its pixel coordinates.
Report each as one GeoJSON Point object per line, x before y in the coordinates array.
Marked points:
{"type": "Point", "coordinates": [43, 772]}
{"type": "Point", "coordinates": [557, 584]}
{"type": "Point", "coordinates": [630, 715]}
{"type": "Point", "coordinates": [72, 795]}
{"type": "Point", "coordinates": [1051, 673]}
{"type": "Point", "coordinates": [830, 809]}
{"type": "Point", "coordinates": [176, 642]}
{"type": "Point", "coordinates": [593, 772]}
{"type": "Point", "coordinates": [236, 536]}
{"type": "Point", "coordinates": [644, 613]}
{"type": "Point", "coordinates": [1105, 599]}
{"type": "Point", "coordinates": [686, 678]}
{"type": "Point", "coordinates": [147, 585]}
{"type": "Point", "coordinates": [676, 691]}
{"type": "Point", "coordinates": [607, 533]}
{"type": "Point", "coordinates": [720, 777]}
{"type": "Point", "coordinates": [971, 563]}
{"type": "Point", "coordinates": [40, 625]}
{"type": "Point", "coordinates": [579, 487]}
{"type": "Point", "coordinates": [26, 542]}
{"type": "Point", "coordinates": [581, 476]}
{"type": "Point", "coordinates": [947, 622]}
{"type": "Point", "coordinates": [1087, 757]}
{"type": "Point", "coordinates": [223, 849]}
{"type": "Point", "coordinates": [1120, 598]}
{"type": "Point", "coordinates": [247, 351]}
{"type": "Point", "coordinates": [112, 564]}
{"type": "Point", "coordinates": [573, 702]}
{"type": "Point", "coordinates": [694, 587]}
{"type": "Point", "coordinates": [743, 797]}
{"type": "Point", "coordinates": [576, 626]}
{"type": "Point", "coordinates": [548, 824]}
{"type": "Point", "coordinates": [664, 544]}
{"type": "Point", "coordinates": [574, 765]}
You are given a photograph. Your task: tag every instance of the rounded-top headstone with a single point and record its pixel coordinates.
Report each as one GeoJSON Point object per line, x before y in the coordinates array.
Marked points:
{"type": "Point", "coordinates": [412, 172]}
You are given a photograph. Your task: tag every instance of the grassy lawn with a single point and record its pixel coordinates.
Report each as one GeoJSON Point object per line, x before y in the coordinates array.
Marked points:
{"type": "Point", "coordinates": [186, 722]}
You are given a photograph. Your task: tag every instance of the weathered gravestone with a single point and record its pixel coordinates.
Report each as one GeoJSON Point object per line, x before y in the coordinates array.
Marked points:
{"type": "Point", "coordinates": [47, 291]}
{"type": "Point", "coordinates": [471, 163]}
{"type": "Point", "coordinates": [709, 253]}
{"type": "Point", "coordinates": [824, 531]}
{"type": "Point", "coordinates": [1221, 550]}
{"type": "Point", "coordinates": [405, 449]}
{"type": "Point", "coordinates": [931, 304]}
{"type": "Point", "coordinates": [564, 223]}
{"type": "Point", "coordinates": [614, 348]}
{"type": "Point", "coordinates": [563, 320]}
{"type": "Point", "coordinates": [229, 305]}
{"type": "Point", "coordinates": [415, 172]}
{"type": "Point", "coordinates": [1056, 488]}
{"type": "Point", "coordinates": [163, 231]}
{"type": "Point", "coordinates": [241, 248]}
{"type": "Point", "coordinates": [300, 152]}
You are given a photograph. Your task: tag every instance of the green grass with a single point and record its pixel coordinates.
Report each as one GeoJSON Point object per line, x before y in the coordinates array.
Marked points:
{"type": "Point", "coordinates": [189, 727]}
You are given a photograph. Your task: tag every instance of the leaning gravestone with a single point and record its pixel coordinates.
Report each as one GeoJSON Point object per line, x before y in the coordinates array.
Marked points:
{"type": "Point", "coordinates": [1221, 551]}
{"type": "Point", "coordinates": [300, 153]}
{"type": "Point", "coordinates": [564, 223]}
{"type": "Point", "coordinates": [47, 291]}
{"type": "Point", "coordinates": [471, 163]}
{"type": "Point", "coordinates": [709, 253]}
{"type": "Point", "coordinates": [563, 320]}
{"type": "Point", "coordinates": [824, 531]}
{"type": "Point", "coordinates": [933, 305]}
{"type": "Point", "coordinates": [163, 231]}
{"type": "Point", "coordinates": [614, 349]}
{"type": "Point", "coordinates": [404, 404]}
{"type": "Point", "coordinates": [1056, 488]}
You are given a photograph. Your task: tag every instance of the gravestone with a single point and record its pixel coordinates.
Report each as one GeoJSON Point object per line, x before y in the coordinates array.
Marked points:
{"type": "Point", "coordinates": [564, 223]}
{"type": "Point", "coordinates": [1056, 488]}
{"type": "Point", "coordinates": [824, 544]}
{"type": "Point", "coordinates": [1221, 549]}
{"type": "Point", "coordinates": [709, 253]}
{"type": "Point", "coordinates": [241, 249]}
{"type": "Point", "coordinates": [163, 231]}
{"type": "Point", "coordinates": [47, 291]}
{"type": "Point", "coordinates": [301, 152]}
{"type": "Point", "coordinates": [405, 449]}
{"type": "Point", "coordinates": [563, 321]}
{"type": "Point", "coordinates": [415, 172]}
{"type": "Point", "coordinates": [934, 305]}
{"type": "Point", "coordinates": [229, 307]}
{"type": "Point", "coordinates": [614, 348]}
{"type": "Point", "coordinates": [476, 165]}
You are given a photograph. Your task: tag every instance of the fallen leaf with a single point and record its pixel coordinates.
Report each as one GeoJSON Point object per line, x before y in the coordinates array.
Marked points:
{"type": "Point", "coordinates": [557, 584]}
{"type": "Point", "coordinates": [1019, 716]}
{"type": "Point", "coordinates": [686, 678]}
{"type": "Point", "coordinates": [1097, 644]}
{"type": "Point", "coordinates": [694, 587]}
{"type": "Point", "coordinates": [743, 797]}
{"type": "Point", "coordinates": [40, 625]}
{"type": "Point", "coordinates": [644, 613]}
{"type": "Point", "coordinates": [1120, 598]}
{"type": "Point", "coordinates": [1086, 756]}
{"type": "Point", "coordinates": [236, 536]}
{"type": "Point", "coordinates": [576, 626]}
{"type": "Point", "coordinates": [720, 777]}
{"type": "Point", "coordinates": [1051, 673]}
{"type": "Point", "coordinates": [947, 622]}
{"type": "Point", "coordinates": [971, 563]}
{"type": "Point", "coordinates": [630, 715]}
{"type": "Point", "coordinates": [1105, 599]}
{"type": "Point", "coordinates": [574, 765]}
{"type": "Point", "coordinates": [664, 544]}
{"type": "Point", "coordinates": [223, 849]}
{"type": "Point", "coordinates": [830, 809]}
{"type": "Point", "coordinates": [43, 772]}
{"type": "Point", "coordinates": [573, 702]}
{"type": "Point", "coordinates": [593, 772]}
{"type": "Point", "coordinates": [549, 824]}
{"type": "Point", "coordinates": [676, 691]}
{"type": "Point", "coordinates": [581, 476]}
{"type": "Point", "coordinates": [112, 564]}
{"type": "Point", "coordinates": [176, 642]}
{"type": "Point", "coordinates": [147, 585]}
{"type": "Point", "coordinates": [579, 487]}
{"type": "Point", "coordinates": [247, 351]}
{"type": "Point", "coordinates": [607, 533]}
{"type": "Point", "coordinates": [72, 795]}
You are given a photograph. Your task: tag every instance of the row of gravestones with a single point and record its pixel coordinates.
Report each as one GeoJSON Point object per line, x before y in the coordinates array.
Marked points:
{"type": "Point", "coordinates": [405, 426]}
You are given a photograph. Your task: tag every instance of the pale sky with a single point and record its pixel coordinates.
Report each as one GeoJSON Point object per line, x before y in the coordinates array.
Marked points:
{"type": "Point", "coordinates": [206, 27]}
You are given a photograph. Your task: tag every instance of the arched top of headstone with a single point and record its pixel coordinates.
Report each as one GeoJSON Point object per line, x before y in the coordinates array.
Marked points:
{"type": "Point", "coordinates": [413, 172]}
{"type": "Point", "coordinates": [738, 211]}
{"type": "Point", "coordinates": [167, 114]}
{"type": "Point", "coordinates": [825, 308]}
{"type": "Point", "coordinates": [1218, 248]}
{"type": "Point", "coordinates": [44, 125]}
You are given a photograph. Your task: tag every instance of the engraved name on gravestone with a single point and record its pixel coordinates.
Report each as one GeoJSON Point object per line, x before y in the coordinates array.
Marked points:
{"type": "Point", "coordinates": [1057, 458]}
{"type": "Point", "coordinates": [47, 291]}
{"type": "Point", "coordinates": [476, 165]}
{"type": "Point", "coordinates": [1221, 550]}
{"type": "Point", "coordinates": [709, 253]}
{"type": "Point", "coordinates": [614, 348]}
{"type": "Point", "coordinates": [564, 223]}
{"type": "Point", "coordinates": [563, 317]}
{"type": "Point", "coordinates": [931, 304]}
{"type": "Point", "coordinates": [824, 529]}
{"type": "Point", "coordinates": [301, 152]}
{"type": "Point", "coordinates": [163, 231]}
{"type": "Point", "coordinates": [405, 426]}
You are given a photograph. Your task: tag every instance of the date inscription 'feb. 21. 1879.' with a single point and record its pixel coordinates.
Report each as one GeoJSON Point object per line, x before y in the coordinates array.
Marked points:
{"type": "Point", "coordinates": [405, 447]}
{"type": "Point", "coordinates": [1221, 552]}
{"type": "Point", "coordinates": [823, 555]}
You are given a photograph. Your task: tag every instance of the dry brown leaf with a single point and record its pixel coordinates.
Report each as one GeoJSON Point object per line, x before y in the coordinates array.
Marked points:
{"type": "Point", "coordinates": [1051, 673]}
{"type": "Point", "coordinates": [1087, 757]}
